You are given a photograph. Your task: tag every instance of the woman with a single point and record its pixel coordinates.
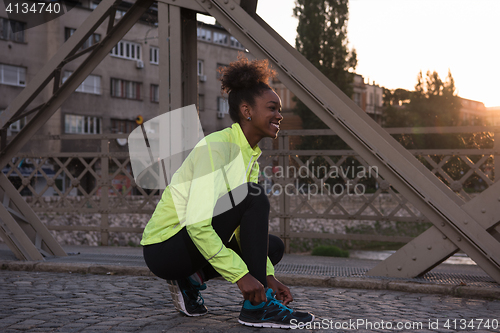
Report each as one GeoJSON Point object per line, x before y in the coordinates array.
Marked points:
{"type": "Point", "coordinates": [214, 196]}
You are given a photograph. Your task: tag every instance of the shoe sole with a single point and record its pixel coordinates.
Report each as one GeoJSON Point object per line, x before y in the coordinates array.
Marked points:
{"type": "Point", "coordinates": [274, 325]}
{"type": "Point", "coordinates": [178, 300]}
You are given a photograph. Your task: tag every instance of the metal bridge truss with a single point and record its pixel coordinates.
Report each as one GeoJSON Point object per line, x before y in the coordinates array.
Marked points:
{"type": "Point", "coordinates": [472, 227]}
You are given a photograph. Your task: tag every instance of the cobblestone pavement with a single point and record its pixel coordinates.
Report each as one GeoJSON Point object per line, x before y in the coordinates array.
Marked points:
{"type": "Point", "coordinates": [60, 302]}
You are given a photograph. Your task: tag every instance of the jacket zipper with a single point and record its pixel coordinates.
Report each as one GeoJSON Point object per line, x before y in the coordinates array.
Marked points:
{"type": "Point", "coordinates": [248, 179]}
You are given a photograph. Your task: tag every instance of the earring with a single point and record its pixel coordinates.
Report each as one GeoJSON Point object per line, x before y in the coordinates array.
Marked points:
{"type": "Point", "coordinates": [249, 118]}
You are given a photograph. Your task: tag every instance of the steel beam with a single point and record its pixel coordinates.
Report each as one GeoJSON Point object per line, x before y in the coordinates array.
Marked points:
{"type": "Point", "coordinates": [26, 235]}
{"type": "Point", "coordinates": [169, 33]}
{"type": "Point", "coordinates": [412, 179]}
{"type": "Point", "coordinates": [189, 57]}
{"type": "Point", "coordinates": [22, 230]}
{"type": "Point", "coordinates": [193, 5]}
{"type": "Point", "coordinates": [433, 247]}
{"type": "Point", "coordinates": [43, 77]}
{"type": "Point", "coordinates": [178, 56]}
{"type": "Point", "coordinates": [58, 60]}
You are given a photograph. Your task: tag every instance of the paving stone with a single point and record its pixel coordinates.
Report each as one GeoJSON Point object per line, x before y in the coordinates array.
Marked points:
{"type": "Point", "coordinates": [27, 324]}
{"type": "Point", "coordinates": [102, 303]}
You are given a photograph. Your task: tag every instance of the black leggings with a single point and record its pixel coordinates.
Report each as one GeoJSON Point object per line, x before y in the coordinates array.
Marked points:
{"type": "Point", "coordinates": [177, 257]}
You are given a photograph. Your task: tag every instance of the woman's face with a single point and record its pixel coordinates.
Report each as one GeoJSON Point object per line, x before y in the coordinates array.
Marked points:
{"type": "Point", "coordinates": [266, 115]}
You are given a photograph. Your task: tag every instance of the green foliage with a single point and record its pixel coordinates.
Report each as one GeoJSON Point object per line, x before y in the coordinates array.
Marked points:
{"type": "Point", "coordinates": [322, 39]}
{"type": "Point", "coordinates": [330, 251]}
{"type": "Point", "coordinates": [386, 228]}
{"type": "Point", "coordinates": [433, 103]}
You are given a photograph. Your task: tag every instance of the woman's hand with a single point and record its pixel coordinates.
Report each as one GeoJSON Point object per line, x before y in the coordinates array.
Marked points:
{"type": "Point", "coordinates": [252, 289]}
{"type": "Point", "coordinates": [282, 291]}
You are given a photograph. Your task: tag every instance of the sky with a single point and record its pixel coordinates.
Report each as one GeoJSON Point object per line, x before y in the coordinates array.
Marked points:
{"type": "Point", "coordinates": [396, 39]}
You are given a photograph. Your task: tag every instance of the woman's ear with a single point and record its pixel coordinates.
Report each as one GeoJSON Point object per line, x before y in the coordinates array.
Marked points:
{"type": "Point", "coordinates": [245, 110]}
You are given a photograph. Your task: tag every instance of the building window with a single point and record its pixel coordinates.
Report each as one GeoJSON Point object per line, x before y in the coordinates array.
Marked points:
{"type": "Point", "coordinates": [204, 34]}
{"type": "Point", "coordinates": [200, 67]}
{"type": "Point", "coordinates": [235, 43]}
{"type": "Point", "coordinates": [127, 50]}
{"type": "Point", "coordinates": [220, 38]}
{"type": "Point", "coordinates": [91, 85]}
{"type": "Point", "coordinates": [18, 124]}
{"type": "Point", "coordinates": [222, 105]}
{"type": "Point", "coordinates": [13, 75]}
{"type": "Point", "coordinates": [357, 99]}
{"type": "Point", "coordinates": [93, 39]}
{"type": "Point", "coordinates": [154, 55]}
{"type": "Point", "coordinates": [122, 125]}
{"type": "Point", "coordinates": [126, 89]}
{"type": "Point", "coordinates": [82, 124]}
{"type": "Point", "coordinates": [12, 30]}
{"type": "Point", "coordinates": [119, 14]}
{"type": "Point", "coordinates": [155, 93]}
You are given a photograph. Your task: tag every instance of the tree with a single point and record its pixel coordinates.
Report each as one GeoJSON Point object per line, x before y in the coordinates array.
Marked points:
{"type": "Point", "coordinates": [395, 102]}
{"type": "Point", "coordinates": [322, 39]}
{"type": "Point", "coordinates": [433, 103]}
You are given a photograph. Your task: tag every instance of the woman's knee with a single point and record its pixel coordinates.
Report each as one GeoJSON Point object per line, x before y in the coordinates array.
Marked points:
{"type": "Point", "coordinates": [276, 249]}
{"type": "Point", "coordinates": [257, 193]}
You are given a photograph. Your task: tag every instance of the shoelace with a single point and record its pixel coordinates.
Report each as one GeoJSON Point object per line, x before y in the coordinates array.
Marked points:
{"type": "Point", "coordinates": [280, 304]}
{"type": "Point", "coordinates": [195, 290]}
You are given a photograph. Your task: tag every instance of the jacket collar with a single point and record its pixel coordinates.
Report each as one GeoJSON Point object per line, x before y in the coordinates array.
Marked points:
{"type": "Point", "coordinates": [243, 142]}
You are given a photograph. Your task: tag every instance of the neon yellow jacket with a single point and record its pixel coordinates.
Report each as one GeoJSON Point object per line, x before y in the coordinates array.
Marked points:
{"type": "Point", "coordinates": [220, 162]}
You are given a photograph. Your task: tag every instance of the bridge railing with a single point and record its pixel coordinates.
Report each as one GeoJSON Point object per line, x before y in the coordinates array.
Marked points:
{"type": "Point", "coordinates": [91, 197]}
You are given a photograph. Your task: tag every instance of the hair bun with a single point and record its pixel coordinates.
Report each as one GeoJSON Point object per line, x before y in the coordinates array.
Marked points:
{"type": "Point", "coordinates": [245, 74]}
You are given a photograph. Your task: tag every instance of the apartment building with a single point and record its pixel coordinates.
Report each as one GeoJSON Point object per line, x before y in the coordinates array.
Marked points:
{"type": "Point", "coordinates": [472, 113]}
{"type": "Point", "coordinates": [216, 49]}
{"type": "Point", "coordinates": [493, 115]}
{"type": "Point", "coordinates": [122, 87]}
{"type": "Point", "coordinates": [125, 84]}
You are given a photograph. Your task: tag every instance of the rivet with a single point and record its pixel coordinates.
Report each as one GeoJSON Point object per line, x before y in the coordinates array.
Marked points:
{"type": "Point", "coordinates": [226, 1]}
{"type": "Point", "coordinates": [232, 6]}
{"type": "Point", "coordinates": [429, 247]}
{"type": "Point", "coordinates": [483, 210]}
{"type": "Point", "coordinates": [414, 258]}
{"type": "Point", "coordinates": [209, 6]}
{"type": "Point", "coordinates": [400, 268]}
{"type": "Point", "coordinates": [444, 237]}
{"type": "Point", "coordinates": [442, 224]}
{"type": "Point", "coordinates": [498, 198]}
{"type": "Point", "coordinates": [459, 239]}
{"type": "Point", "coordinates": [465, 222]}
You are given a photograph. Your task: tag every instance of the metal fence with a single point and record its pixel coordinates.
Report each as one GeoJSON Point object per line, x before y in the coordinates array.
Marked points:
{"type": "Point", "coordinates": [314, 194]}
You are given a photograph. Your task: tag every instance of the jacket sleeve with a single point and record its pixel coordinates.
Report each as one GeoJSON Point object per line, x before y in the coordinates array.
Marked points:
{"type": "Point", "coordinates": [207, 186]}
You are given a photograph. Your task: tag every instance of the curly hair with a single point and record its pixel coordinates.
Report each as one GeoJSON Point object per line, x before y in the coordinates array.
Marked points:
{"type": "Point", "coordinates": [243, 80]}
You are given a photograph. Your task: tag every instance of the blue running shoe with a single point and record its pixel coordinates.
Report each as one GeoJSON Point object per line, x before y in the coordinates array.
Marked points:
{"type": "Point", "coordinates": [186, 296]}
{"type": "Point", "coordinates": [272, 314]}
